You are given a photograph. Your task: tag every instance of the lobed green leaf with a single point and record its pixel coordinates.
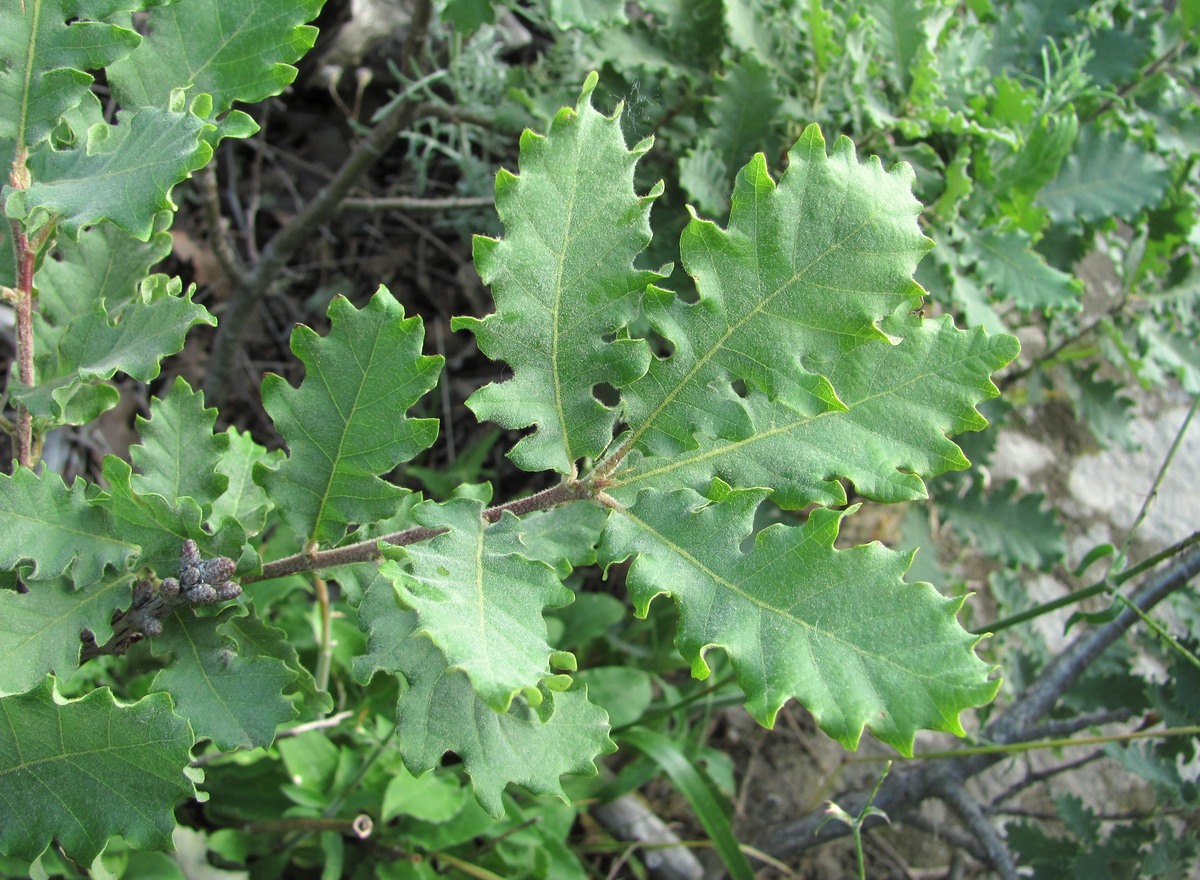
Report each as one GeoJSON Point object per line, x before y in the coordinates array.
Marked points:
{"type": "Point", "coordinates": [45, 48]}
{"type": "Point", "coordinates": [1107, 176]}
{"type": "Point", "coordinates": [234, 50]}
{"type": "Point", "coordinates": [123, 173]}
{"type": "Point", "coordinates": [346, 423]}
{"type": "Point", "coordinates": [565, 287]}
{"type": "Point", "coordinates": [479, 598]}
{"type": "Point", "coordinates": [900, 402]}
{"type": "Point", "coordinates": [98, 342]}
{"type": "Point", "coordinates": [77, 772]}
{"type": "Point", "coordinates": [243, 500]}
{"type": "Point", "coordinates": [839, 630]}
{"type": "Point", "coordinates": [1016, 529]}
{"type": "Point", "coordinates": [179, 454]}
{"type": "Point", "coordinates": [55, 528]}
{"type": "Point", "coordinates": [40, 629]}
{"type": "Point", "coordinates": [234, 700]}
{"type": "Point", "coordinates": [1016, 272]}
{"type": "Point", "coordinates": [806, 270]}
{"type": "Point", "coordinates": [157, 525]}
{"type": "Point", "coordinates": [440, 712]}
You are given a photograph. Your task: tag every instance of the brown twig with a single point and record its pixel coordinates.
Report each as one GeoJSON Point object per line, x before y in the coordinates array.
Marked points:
{"type": "Point", "coordinates": [368, 550]}
{"type": "Point", "coordinates": [218, 235]}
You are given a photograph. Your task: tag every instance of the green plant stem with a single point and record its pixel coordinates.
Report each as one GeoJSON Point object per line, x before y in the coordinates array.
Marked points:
{"type": "Point", "coordinates": [1141, 79]}
{"type": "Point", "coordinates": [26, 256]}
{"type": "Point", "coordinates": [295, 234]}
{"type": "Point", "coordinates": [361, 774]}
{"type": "Point", "coordinates": [1160, 631]}
{"type": "Point", "coordinates": [665, 711]}
{"type": "Point", "coordinates": [360, 826]}
{"type": "Point", "coordinates": [466, 867]}
{"type": "Point", "coordinates": [411, 203]}
{"type": "Point", "coordinates": [1159, 477]}
{"type": "Point", "coordinates": [1088, 592]}
{"type": "Point", "coordinates": [1015, 376]}
{"type": "Point", "coordinates": [1031, 746]}
{"type": "Point", "coordinates": [325, 640]}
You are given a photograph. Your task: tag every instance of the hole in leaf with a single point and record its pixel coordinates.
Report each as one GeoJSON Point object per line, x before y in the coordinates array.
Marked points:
{"type": "Point", "coordinates": [661, 347]}
{"type": "Point", "coordinates": [606, 394]}
{"type": "Point", "coordinates": [610, 336]}
{"type": "Point", "coordinates": [740, 389]}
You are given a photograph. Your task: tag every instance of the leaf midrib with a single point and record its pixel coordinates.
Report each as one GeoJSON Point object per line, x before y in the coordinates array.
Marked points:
{"type": "Point", "coordinates": [733, 328]}
{"type": "Point", "coordinates": [729, 585]}
{"type": "Point", "coordinates": [767, 433]}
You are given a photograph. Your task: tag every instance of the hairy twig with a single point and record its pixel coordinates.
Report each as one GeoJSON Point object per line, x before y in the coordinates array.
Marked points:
{"type": "Point", "coordinates": [1103, 585]}
{"type": "Point", "coordinates": [325, 641]}
{"type": "Point", "coordinates": [292, 236]}
{"type": "Point", "coordinates": [363, 551]}
{"type": "Point", "coordinates": [368, 550]}
{"type": "Point", "coordinates": [913, 784]}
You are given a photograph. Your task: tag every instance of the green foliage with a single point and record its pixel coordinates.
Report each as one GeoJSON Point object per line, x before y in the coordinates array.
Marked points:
{"type": "Point", "coordinates": [231, 51]}
{"type": "Point", "coordinates": [229, 695]}
{"type": "Point", "coordinates": [702, 427]}
{"type": "Point", "coordinates": [479, 599]}
{"type": "Point", "coordinates": [121, 173]}
{"type": "Point", "coordinates": [564, 275]}
{"type": "Point", "coordinates": [850, 666]}
{"type": "Point", "coordinates": [111, 769]}
{"type": "Point", "coordinates": [1017, 530]}
{"type": "Point", "coordinates": [47, 51]}
{"type": "Point", "coordinates": [47, 522]}
{"type": "Point", "coordinates": [39, 630]}
{"type": "Point", "coordinates": [442, 712]}
{"type": "Point", "coordinates": [345, 425]}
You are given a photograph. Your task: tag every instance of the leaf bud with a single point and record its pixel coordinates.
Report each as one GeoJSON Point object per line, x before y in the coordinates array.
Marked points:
{"type": "Point", "coordinates": [170, 586]}
{"type": "Point", "coordinates": [152, 626]}
{"type": "Point", "coordinates": [202, 594]}
{"type": "Point", "coordinates": [189, 577]}
{"type": "Point", "coordinates": [217, 571]}
{"type": "Point", "coordinates": [228, 590]}
{"type": "Point", "coordinates": [189, 554]}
